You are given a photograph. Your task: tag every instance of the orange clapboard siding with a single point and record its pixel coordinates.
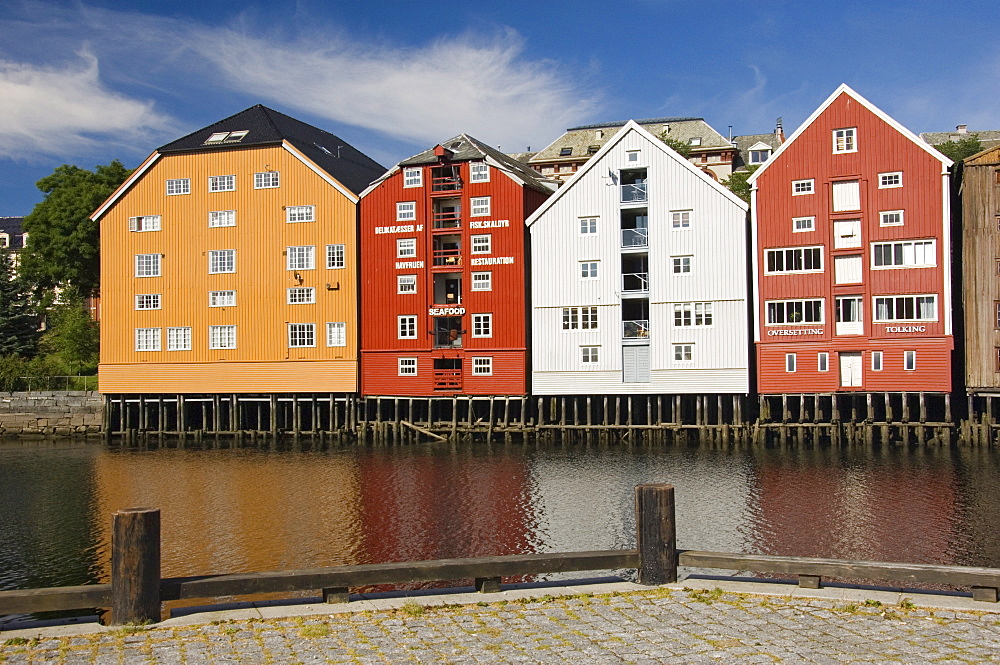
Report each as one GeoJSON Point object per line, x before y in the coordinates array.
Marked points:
{"type": "Point", "coordinates": [261, 315]}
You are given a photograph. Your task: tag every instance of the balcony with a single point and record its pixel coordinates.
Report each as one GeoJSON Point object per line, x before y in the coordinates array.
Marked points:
{"type": "Point", "coordinates": [445, 180]}
{"type": "Point", "coordinates": [635, 238]}
{"type": "Point", "coordinates": [635, 282]}
{"type": "Point", "coordinates": [448, 257]}
{"type": "Point", "coordinates": [451, 219]}
{"type": "Point", "coordinates": [635, 329]}
{"type": "Point", "coordinates": [634, 193]}
{"type": "Point", "coordinates": [447, 379]}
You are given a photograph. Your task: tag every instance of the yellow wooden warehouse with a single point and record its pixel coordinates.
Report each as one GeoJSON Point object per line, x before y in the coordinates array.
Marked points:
{"type": "Point", "coordinates": [228, 263]}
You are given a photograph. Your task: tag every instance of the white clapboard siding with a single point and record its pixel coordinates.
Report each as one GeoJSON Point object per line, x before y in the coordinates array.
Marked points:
{"type": "Point", "coordinates": [715, 242]}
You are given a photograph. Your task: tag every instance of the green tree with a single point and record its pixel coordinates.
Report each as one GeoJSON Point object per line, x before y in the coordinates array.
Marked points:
{"type": "Point", "coordinates": [737, 182]}
{"type": "Point", "coordinates": [18, 323]}
{"type": "Point", "coordinates": [63, 249]}
{"type": "Point", "coordinates": [956, 151]}
{"type": "Point", "coordinates": [73, 338]}
{"type": "Point", "coordinates": [682, 148]}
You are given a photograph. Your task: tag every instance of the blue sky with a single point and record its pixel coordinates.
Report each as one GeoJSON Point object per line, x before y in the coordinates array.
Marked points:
{"type": "Point", "coordinates": [85, 82]}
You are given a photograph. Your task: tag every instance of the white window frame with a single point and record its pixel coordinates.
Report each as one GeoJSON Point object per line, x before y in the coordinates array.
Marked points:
{"type": "Point", "coordinates": [482, 365]}
{"type": "Point", "coordinates": [147, 301]}
{"type": "Point", "coordinates": [222, 337]}
{"type": "Point", "coordinates": [784, 304]}
{"type": "Point", "coordinates": [926, 245]}
{"type": "Point", "coordinates": [300, 257]}
{"type": "Point", "coordinates": [803, 224]}
{"type": "Point", "coordinates": [479, 172]}
{"type": "Point", "coordinates": [413, 176]}
{"type": "Point", "coordinates": [791, 255]}
{"type": "Point", "coordinates": [890, 180]}
{"type": "Point", "coordinates": [804, 187]}
{"type": "Point", "coordinates": [790, 362]}
{"type": "Point", "coordinates": [147, 339]}
{"type": "Point", "coordinates": [406, 248]}
{"type": "Point", "coordinates": [144, 223]}
{"type": "Point", "coordinates": [301, 335]}
{"type": "Point", "coordinates": [148, 265]}
{"type": "Point", "coordinates": [301, 295]}
{"type": "Point", "coordinates": [221, 261]}
{"type": "Point", "coordinates": [482, 325]}
{"type": "Point", "coordinates": [225, 298]}
{"type": "Point", "coordinates": [683, 352]}
{"type": "Point", "coordinates": [680, 220]}
{"type": "Point", "coordinates": [406, 366]}
{"type": "Point", "coordinates": [681, 265]}
{"type": "Point", "coordinates": [693, 314]}
{"type": "Point", "coordinates": [482, 281]}
{"type": "Point", "coordinates": [590, 355]}
{"type": "Point", "coordinates": [406, 211]}
{"type": "Point", "coordinates": [589, 270]}
{"type": "Point", "coordinates": [222, 183]}
{"type": "Point", "coordinates": [266, 180]}
{"type": "Point", "coordinates": [482, 244]}
{"type": "Point", "coordinates": [916, 307]}
{"type": "Point", "coordinates": [297, 214]}
{"type": "Point", "coordinates": [579, 318]}
{"type": "Point", "coordinates": [588, 226]}
{"type": "Point", "coordinates": [632, 156]}
{"type": "Point", "coordinates": [336, 256]}
{"type": "Point", "coordinates": [480, 206]}
{"type": "Point", "coordinates": [221, 218]}
{"type": "Point", "coordinates": [823, 361]}
{"type": "Point", "coordinates": [178, 186]}
{"type": "Point", "coordinates": [845, 140]}
{"type": "Point", "coordinates": [876, 361]}
{"type": "Point", "coordinates": [909, 361]}
{"type": "Point", "coordinates": [760, 156]}
{"type": "Point", "coordinates": [406, 326]}
{"type": "Point", "coordinates": [179, 338]}
{"type": "Point", "coordinates": [336, 333]}
{"type": "Point", "coordinates": [890, 215]}
{"type": "Point", "coordinates": [406, 283]}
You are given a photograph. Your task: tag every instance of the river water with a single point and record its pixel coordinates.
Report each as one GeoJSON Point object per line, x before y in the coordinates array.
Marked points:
{"type": "Point", "coordinates": [234, 510]}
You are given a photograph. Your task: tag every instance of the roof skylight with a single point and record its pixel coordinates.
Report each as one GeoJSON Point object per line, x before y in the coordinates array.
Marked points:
{"type": "Point", "coordinates": [227, 137]}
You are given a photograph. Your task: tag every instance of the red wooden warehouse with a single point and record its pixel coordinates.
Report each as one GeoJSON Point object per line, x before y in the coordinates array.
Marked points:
{"type": "Point", "coordinates": [852, 245]}
{"type": "Point", "coordinates": [443, 273]}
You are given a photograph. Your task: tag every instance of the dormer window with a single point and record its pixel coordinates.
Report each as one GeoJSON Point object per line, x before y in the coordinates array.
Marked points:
{"type": "Point", "coordinates": [694, 140]}
{"type": "Point", "coordinates": [758, 153]}
{"type": "Point", "coordinates": [4, 240]}
{"type": "Point", "coordinates": [599, 134]}
{"type": "Point", "coordinates": [565, 152]}
{"type": "Point", "coordinates": [227, 137]}
{"type": "Point", "coordinates": [592, 149]}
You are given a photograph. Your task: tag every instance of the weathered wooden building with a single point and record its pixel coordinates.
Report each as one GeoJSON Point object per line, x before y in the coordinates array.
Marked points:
{"type": "Point", "coordinates": [444, 273]}
{"type": "Point", "coordinates": [981, 270]}
{"type": "Point", "coordinates": [228, 263]}
{"type": "Point", "coordinates": [852, 257]}
{"type": "Point", "coordinates": [639, 277]}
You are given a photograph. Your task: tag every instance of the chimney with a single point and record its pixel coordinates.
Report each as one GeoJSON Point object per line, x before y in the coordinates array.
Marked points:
{"type": "Point", "coordinates": [962, 129]}
{"type": "Point", "coordinates": [779, 130]}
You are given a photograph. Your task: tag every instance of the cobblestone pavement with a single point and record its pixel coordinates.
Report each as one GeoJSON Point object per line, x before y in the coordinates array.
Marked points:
{"type": "Point", "coordinates": [663, 625]}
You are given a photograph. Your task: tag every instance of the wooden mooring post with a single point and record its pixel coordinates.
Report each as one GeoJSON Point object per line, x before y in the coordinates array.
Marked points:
{"type": "Point", "coordinates": [656, 533]}
{"type": "Point", "coordinates": [135, 566]}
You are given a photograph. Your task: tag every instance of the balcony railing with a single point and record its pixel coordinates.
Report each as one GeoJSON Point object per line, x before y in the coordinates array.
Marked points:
{"type": "Point", "coordinates": [447, 379]}
{"type": "Point", "coordinates": [635, 329]}
{"type": "Point", "coordinates": [635, 281]}
{"type": "Point", "coordinates": [447, 257]}
{"type": "Point", "coordinates": [443, 339]}
{"type": "Point", "coordinates": [635, 238]}
{"type": "Point", "coordinates": [634, 193]}
{"type": "Point", "coordinates": [448, 183]}
{"type": "Point", "coordinates": [448, 220]}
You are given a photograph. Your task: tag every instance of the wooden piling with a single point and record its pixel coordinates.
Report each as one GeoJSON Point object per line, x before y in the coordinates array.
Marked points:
{"type": "Point", "coordinates": [656, 533]}
{"type": "Point", "coordinates": [135, 566]}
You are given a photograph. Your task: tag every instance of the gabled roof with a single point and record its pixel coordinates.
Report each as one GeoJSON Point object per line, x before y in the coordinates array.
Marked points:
{"type": "Point", "coordinates": [265, 126]}
{"type": "Point", "coordinates": [987, 156]}
{"type": "Point", "coordinates": [987, 137]}
{"type": "Point", "coordinates": [582, 141]}
{"type": "Point", "coordinates": [594, 162]}
{"type": "Point", "coordinates": [744, 144]}
{"type": "Point", "coordinates": [843, 88]}
{"type": "Point", "coordinates": [464, 148]}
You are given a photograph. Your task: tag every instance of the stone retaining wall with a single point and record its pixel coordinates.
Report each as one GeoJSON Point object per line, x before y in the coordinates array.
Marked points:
{"type": "Point", "coordinates": [47, 413]}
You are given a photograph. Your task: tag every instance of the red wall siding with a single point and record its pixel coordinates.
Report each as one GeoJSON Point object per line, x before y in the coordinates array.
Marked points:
{"type": "Point", "coordinates": [881, 149]}
{"type": "Point", "coordinates": [380, 303]}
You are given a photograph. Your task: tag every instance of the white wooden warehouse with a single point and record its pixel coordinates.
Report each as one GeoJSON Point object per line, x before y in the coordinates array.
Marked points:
{"type": "Point", "coordinates": [639, 278]}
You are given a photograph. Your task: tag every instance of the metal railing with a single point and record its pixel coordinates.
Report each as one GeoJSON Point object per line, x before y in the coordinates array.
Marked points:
{"type": "Point", "coordinates": [635, 281]}
{"type": "Point", "coordinates": [635, 329]}
{"type": "Point", "coordinates": [635, 237]}
{"type": "Point", "coordinates": [634, 193]}
{"type": "Point", "coordinates": [62, 382]}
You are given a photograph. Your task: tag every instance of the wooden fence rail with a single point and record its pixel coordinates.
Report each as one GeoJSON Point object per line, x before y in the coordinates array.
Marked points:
{"type": "Point", "coordinates": [136, 591]}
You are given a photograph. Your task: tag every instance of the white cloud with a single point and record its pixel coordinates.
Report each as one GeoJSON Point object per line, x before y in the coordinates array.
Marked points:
{"type": "Point", "coordinates": [64, 111]}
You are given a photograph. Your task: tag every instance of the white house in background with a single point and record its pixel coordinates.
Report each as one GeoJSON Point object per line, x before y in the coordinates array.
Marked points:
{"type": "Point", "coordinates": [639, 277]}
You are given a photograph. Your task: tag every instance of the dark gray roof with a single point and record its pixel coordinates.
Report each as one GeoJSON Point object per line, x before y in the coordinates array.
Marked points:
{"type": "Point", "coordinates": [466, 148]}
{"type": "Point", "coordinates": [744, 142]}
{"type": "Point", "coordinates": [987, 137]}
{"type": "Point", "coordinates": [647, 121]}
{"type": "Point", "coordinates": [12, 227]}
{"type": "Point", "coordinates": [265, 126]}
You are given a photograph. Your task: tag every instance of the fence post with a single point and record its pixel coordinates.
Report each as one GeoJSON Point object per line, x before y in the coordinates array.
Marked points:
{"type": "Point", "coordinates": [135, 566]}
{"type": "Point", "coordinates": [656, 533]}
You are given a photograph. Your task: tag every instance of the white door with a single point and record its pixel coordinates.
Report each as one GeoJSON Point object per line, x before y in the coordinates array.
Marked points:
{"type": "Point", "coordinates": [850, 369]}
{"type": "Point", "coordinates": [847, 269]}
{"type": "Point", "coordinates": [846, 196]}
{"type": "Point", "coordinates": [635, 364]}
{"type": "Point", "coordinates": [846, 233]}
